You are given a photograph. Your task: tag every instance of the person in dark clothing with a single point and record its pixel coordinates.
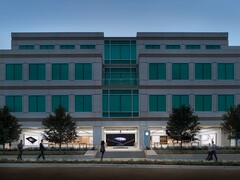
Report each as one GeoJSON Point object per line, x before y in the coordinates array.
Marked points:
{"type": "Point", "coordinates": [42, 149]}
{"type": "Point", "coordinates": [20, 150]}
{"type": "Point", "coordinates": [209, 157]}
{"type": "Point", "coordinates": [102, 149]}
{"type": "Point", "coordinates": [214, 151]}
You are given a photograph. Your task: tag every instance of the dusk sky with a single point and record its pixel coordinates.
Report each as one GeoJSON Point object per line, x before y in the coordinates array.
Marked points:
{"type": "Point", "coordinates": [119, 17]}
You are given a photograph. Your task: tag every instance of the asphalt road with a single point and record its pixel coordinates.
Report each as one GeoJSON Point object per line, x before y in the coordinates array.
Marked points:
{"type": "Point", "coordinates": [118, 172]}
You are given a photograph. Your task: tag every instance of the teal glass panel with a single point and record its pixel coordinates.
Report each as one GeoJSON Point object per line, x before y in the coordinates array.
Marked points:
{"type": "Point", "coordinates": [207, 103]}
{"type": "Point", "coordinates": [115, 103]}
{"type": "Point", "coordinates": [88, 71]}
{"type": "Point", "coordinates": [230, 71]}
{"type": "Point", "coordinates": [203, 71]}
{"type": "Point", "coordinates": [107, 52]}
{"type": "Point", "coordinates": [59, 100]}
{"type": "Point", "coordinates": [153, 103]}
{"type": "Point", "coordinates": [133, 54]}
{"type": "Point", "coordinates": [47, 47]}
{"type": "Point", "coordinates": [126, 103]}
{"type": "Point", "coordinates": [83, 103]}
{"type": "Point", "coordinates": [157, 71]}
{"type": "Point", "coordinates": [179, 100]}
{"type": "Point", "coordinates": [67, 46]}
{"type": "Point", "coordinates": [213, 47]}
{"type": "Point", "coordinates": [173, 47]}
{"type": "Point", "coordinates": [14, 103]}
{"type": "Point", "coordinates": [105, 103]}
{"type": "Point", "coordinates": [161, 103]}
{"type": "Point", "coordinates": [152, 46]}
{"type": "Point", "coordinates": [87, 47]}
{"type": "Point", "coordinates": [115, 52]}
{"type": "Point", "coordinates": [125, 52]}
{"type": "Point", "coordinates": [13, 71]}
{"type": "Point", "coordinates": [225, 71]}
{"type": "Point", "coordinates": [135, 103]}
{"type": "Point", "coordinates": [203, 103]}
{"type": "Point", "coordinates": [36, 103]}
{"type": "Point", "coordinates": [37, 72]}
{"type": "Point", "coordinates": [184, 71]}
{"type": "Point", "coordinates": [59, 71]}
{"type": "Point", "coordinates": [225, 102]}
{"type": "Point", "coordinates": [180, 71]}
{"type": "Point", "coordinates": [193, 47]}
{"type": "Point", "coordinates": [83, 71]}
{"type": "Point", "coordinates": [157, 103]}
{"type": "Point", "coordinates": [26, 47]}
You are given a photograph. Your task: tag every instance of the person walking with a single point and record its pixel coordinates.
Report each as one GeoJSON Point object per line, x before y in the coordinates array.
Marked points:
{"type": "Point", "coordinates": [213, 151]}
{"type": "Point", "coordinates": [20, 150]}
{"type": "Point", "coordinates": [42, 149]}
{"type": "Point", "coordinates": [102, 149]}
{"type": "Point", "coordinates": [209, 157]}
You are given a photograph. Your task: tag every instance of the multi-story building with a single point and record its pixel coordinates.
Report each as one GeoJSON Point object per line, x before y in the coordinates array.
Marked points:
{"type": "Point", "coordinates": [120, 89]}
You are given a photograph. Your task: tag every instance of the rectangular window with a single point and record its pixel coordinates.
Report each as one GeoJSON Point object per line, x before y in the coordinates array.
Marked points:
{"type": "Point", "coordinates": [120, 103]}
{"type": "Point", "coordinates": [203, 102]}
{"type": "Point", "coordinates": [203, 71]}
{"type": "Point", "coordinates": [225, 102]}
{"type": "Point", "coordinates": [179, 100]}
{"type": "Point", "coordinates": [213, 47]}
{"type": "Point", "coordinates": [225, 71]}
{"type": "Point", "coordinates": [36, 103]}
{"type": "Point", "coordinates": [59, 71]}
{"type": "Point", "coordinates": [157, 103]}
{"type": "Point", "coordinates": [37, 72]}
{"type": "Point", "coordinates": [67, 46]}
{"type": "Point", "coordinates": [83, 71]}
{"type": "Point", "coordinates": [14, 103]}
{"type": "Point", "coordinates": [152, 46]}
{"type": "Point", "coordinates": [157, 71]}
{"type": "Point", "coordinates": [13, 71]}
{"type": "Point", "coordinates": [180, 71]}
{"type": "Point", "coordinates": [26, 47]}
{"type": "Point", "coordinates": [173, 47]}
{"type": "Point", "coordinates": [59, 100]}
{"type": "Point", "coordinates": [47, 47]}
{"type": "Point", "coordinates": [83, 103]}
{"type": "Point", "coordinates": [193, 47]}
{"type": "Point", "coordinates": [87, 47]}
{"type": "Point", "coordinates": [120, 52]}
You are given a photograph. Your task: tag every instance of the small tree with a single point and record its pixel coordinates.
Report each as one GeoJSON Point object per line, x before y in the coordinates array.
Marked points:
{"type": "Point", "coordinates": [231, 123]}
{"type": "Point", "coordinates": [182, 124]}
{"type": "Point", "coordinates": [59, 128]}
{"type": "Point", "coordinates": [10, 130]}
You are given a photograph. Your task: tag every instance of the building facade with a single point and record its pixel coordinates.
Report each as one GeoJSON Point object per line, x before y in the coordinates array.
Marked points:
{"type": "Point", "coordinates": [120, 89]}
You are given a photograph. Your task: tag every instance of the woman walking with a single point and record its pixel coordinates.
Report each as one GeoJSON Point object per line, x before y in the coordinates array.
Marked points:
{"type": "Point", "coordinates": [102, 149]}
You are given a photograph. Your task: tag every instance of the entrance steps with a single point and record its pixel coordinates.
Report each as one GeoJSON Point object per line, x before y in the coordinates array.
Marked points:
{"type": "Point", "coordinates": [122, 154]}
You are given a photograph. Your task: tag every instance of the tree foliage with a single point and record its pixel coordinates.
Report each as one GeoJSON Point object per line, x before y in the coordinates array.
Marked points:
{"type": "Point", "coordinates": [59, 128]}
{"type": "Point", "coordinates": [231, 123]}
{"type": "Point", "coordinates": [10, 130]}
{"type": "Point", "coordinates": [182, 124]}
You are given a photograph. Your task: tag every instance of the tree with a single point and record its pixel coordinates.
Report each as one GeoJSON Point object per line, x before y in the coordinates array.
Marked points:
{"type": "Point", "coordinates": [10, 130]}
{"type": "Point", "coordinates": [231, 123]}
{"type": "Point", "coordinates": [182, 124]}
{"type": "Point", "coordinates": [59, 128]}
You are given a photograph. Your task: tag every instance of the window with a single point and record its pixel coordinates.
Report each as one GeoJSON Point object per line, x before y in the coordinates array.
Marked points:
{"type": "Point", "coordinates": [47, 47]}
{"type": "Point", "coordinates": [203, 71]}
{"type": "Point", "coordinates": [83, 71]}
{"type": "Point", "coordinates": [203, 103]}
{"type": "Point", "coordinates": [213, 47]}
{"type": "Point", "coordinates": [180, 71]}
{"type": "Point", "coordinates": [157, 71]}
{"type": "Point", "coordinates": [59, 100]}
{"type": "Point", "coordinates": [120, 103]}
{"type": "Point", "coordinates": [36, 103]}
{"type": "Point", "coordinates": [37, 72]}
{"type": "Point", "coordinates": [193, 47]}
{"type": "Point", "coordinates": [26, 47]}
{"type": "Point", "coordinates": [87, 47]}
{"type": "Point", "coordinates": [67, 46]}
{"type": "Point", "coordinates": [225, 102]}
{"type": "Point", "coordinates": [157, 103]}
{"type": "Point", "coordinates": [120, 52]}
{"type": "Point", "coordinates": [14, 103]}
{"type": "Point", "coordinates": [83, 103]}
{"type": "Point", "coordinates": [59, 71]}
{"type": "Point", "coordinates": [225, 71]}
{"type": "Point", "coordinates": [13, 71]}
{"type": "Point", "coordinates": [179, 100]}
{"type": "Point", "coordinates": [173, 47]}
{"type": "Point", "coordinates": [152, 46]}
{"type": "Point", "coordinates": [120, 76]}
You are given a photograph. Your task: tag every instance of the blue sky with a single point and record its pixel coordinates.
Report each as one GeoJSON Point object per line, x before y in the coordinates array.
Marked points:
{"type": "Point", "coordinates": [119, 17]}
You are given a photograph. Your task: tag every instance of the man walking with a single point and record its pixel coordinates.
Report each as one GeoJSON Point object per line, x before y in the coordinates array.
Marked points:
{"type": "Point", "coordinates": [20, 150]}
{"type": "Point", "coordinates": [214, 151]}
{"type": "Point", "coordinates": [42, 149]}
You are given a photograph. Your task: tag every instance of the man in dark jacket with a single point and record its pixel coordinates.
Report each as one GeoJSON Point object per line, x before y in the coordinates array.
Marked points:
{"type": "Point", "coordinates": [20, 150]}
{"type": "Point", "coordinates": [42, 149]}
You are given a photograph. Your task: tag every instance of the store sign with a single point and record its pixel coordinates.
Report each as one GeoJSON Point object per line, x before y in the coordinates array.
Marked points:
{"type": "Point", "coordinates": [31, 140]}
{"type": "Point", "coordinates": [120, 139]}
{"type": "Point", "coordinates": [208, 138]}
